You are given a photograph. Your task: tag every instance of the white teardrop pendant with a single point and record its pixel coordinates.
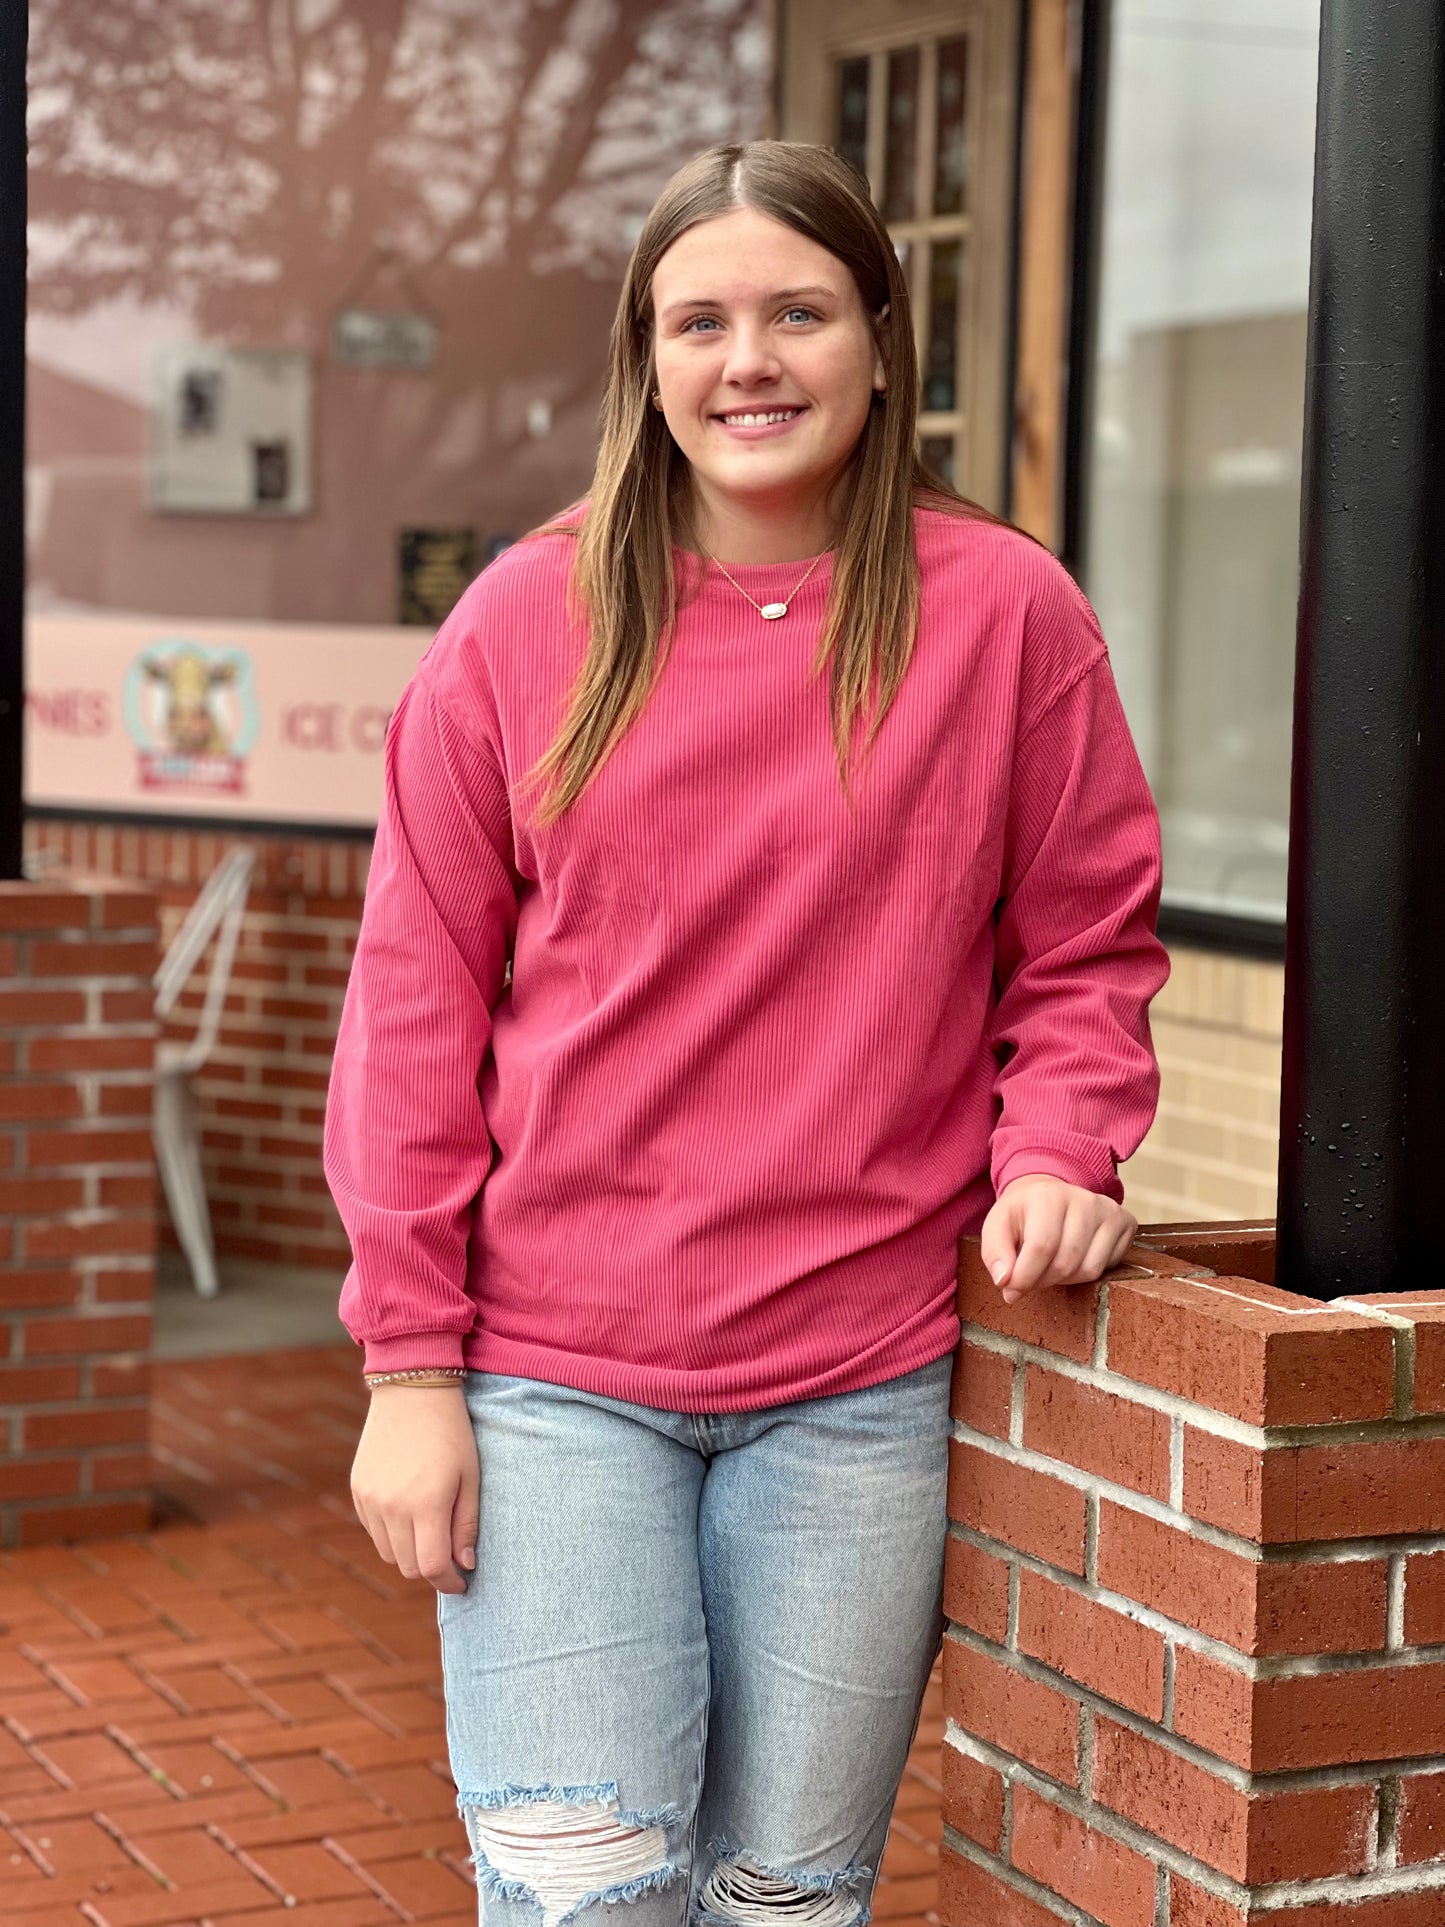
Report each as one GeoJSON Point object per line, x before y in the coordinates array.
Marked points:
{"type": "Point", "coordinates": [770, 611]}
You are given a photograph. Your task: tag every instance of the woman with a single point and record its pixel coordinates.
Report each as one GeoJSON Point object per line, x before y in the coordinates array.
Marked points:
{"type": "Point", "coordinates": [797, 794]}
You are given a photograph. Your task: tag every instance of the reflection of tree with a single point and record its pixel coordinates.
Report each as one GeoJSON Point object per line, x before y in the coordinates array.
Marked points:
{"type": "Point", "coordinates": [245, 159]}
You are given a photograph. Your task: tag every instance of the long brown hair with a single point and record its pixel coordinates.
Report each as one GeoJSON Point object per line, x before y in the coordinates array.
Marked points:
{"type": "Point", "coordinates": [640, 500]}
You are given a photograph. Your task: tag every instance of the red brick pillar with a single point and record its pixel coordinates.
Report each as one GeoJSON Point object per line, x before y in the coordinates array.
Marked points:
{"type": "Point", "coordinates": [77, 1208]}
{"type": "Point", "coordinates": [1195, 1666]}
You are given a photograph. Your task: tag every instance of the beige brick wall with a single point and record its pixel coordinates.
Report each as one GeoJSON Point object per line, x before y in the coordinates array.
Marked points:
{"type": "Point", "coordinates": [1214, 1147]}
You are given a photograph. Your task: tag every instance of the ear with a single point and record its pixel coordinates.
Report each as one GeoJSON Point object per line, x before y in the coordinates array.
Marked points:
{"type": "Point", "coordinates": [880, 342]}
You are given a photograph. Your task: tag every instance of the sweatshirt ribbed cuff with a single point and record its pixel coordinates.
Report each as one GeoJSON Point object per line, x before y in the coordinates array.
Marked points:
{"type": "Point", "coordinates": [406, 1351]}
{"type": "Point", "coordinates": [1047, 1162]}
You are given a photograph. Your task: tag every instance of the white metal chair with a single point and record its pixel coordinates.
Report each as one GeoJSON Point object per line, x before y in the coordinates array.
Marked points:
{"type": "Point", "coordinates": [176, 1123]}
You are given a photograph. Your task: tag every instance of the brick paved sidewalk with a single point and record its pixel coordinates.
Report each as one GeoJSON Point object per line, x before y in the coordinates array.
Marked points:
{"type": "Point", "coordinates": [237, 1718]}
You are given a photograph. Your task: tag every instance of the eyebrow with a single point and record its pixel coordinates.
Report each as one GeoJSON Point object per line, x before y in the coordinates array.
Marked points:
{"type": "Point", "coordinates": [779, 294]}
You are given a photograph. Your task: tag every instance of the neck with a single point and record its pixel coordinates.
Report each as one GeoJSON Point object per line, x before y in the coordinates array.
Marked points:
{"type": "Point", "coordinates": [763, 531]}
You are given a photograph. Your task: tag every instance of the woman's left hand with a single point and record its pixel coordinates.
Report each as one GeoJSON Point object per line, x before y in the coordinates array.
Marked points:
{"type": "Point", "coordinates": [1043, 1232]}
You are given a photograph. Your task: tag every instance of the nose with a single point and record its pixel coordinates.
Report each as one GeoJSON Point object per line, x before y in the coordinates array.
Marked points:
{"type": "Point", "coordinates": [751, 359]}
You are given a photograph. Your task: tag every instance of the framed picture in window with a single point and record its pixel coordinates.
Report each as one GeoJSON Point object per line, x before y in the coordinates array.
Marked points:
{"type": "Point", "coordinates": [231, 431]}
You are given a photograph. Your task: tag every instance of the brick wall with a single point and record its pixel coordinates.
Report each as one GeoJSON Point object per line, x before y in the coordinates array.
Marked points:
{"type": "Point", "coordinates": [77, 1208]}
{"type": "Point", "coordinates": [1214, 1147]}
{"type": "Point", "coordinates": [263, 1092]}
{"type": "Point", "coordinates": [1195, 1666]}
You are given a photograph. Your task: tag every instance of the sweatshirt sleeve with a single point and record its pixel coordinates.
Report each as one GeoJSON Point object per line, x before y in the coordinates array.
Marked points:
{"type": "Point", "coordinates": [407, 1146]}
{"type": "Point", "coordinates": [1076, 958]}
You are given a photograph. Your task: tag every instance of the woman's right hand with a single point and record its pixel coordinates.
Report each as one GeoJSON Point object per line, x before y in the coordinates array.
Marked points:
{"type": "Point", "coordinates": [416, 1482]}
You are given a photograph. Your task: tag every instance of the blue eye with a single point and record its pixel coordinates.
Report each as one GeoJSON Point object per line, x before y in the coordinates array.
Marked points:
{"type": "Point", "coordinates": [807, 313]}
{"type": "Point", "coordinates": [690, 325]}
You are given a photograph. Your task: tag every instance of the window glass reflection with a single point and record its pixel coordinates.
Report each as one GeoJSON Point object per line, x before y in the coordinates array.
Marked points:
{"type": "Point", "coordinates": [940, 367]}
{"type": "Point", "coordinates": [900, 161]}
{"type": "Point", "coordinates": [318, 291]}
{"type": "Point", "coordinates": [938, 454]}
{"type": "Point", "coordinates": [950, 154]}
{"type": "Point", "coordinates": [1192, 546]}
{"type": "Point", "coordinates": [853, 112]}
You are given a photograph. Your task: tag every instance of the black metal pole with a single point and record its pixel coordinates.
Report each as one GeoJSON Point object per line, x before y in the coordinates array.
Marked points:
{"type": "Point", "coordinates": [1362, 1125]}
{"type": "Point", "coordinates": [1091, 23]}
{"type": "Point", "coordinates": [14, 26]}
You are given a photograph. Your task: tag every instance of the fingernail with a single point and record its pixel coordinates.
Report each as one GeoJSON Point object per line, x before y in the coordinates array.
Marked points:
{"type": "Point", "coordinates": [998, 1270]}
{"type": "Point", "coordinates": [469, 1559]}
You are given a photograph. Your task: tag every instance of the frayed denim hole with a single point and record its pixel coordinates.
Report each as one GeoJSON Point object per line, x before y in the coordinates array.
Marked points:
{"type": "Point", "coordinates": [564, 1855]}
{"type": "Point", "coordinates": [511, 1795]}
{"type": "Point", "coordinates": [742, 1892]}
{"type": "Point", "coordinates": [706, 1918]}
{"type": "Point", "coordinates": [720, 1848]}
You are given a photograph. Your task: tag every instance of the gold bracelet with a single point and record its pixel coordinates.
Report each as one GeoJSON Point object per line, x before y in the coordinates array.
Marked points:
{"type": "Point", "coordinates": [417, 1375]}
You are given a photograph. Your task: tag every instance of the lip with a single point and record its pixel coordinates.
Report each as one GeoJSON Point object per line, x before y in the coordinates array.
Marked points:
{"type": "Point", "coordinates": [764, 431]}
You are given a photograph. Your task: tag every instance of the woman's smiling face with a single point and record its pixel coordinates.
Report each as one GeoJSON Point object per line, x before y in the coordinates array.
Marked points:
{"type": "Point", "coordinates": [766, 361]}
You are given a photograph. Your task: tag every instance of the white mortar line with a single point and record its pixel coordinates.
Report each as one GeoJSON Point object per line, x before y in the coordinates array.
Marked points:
{"type": "Point", "coordinates": [1006, 1820]}
{"type": "Point", "coordinates": [1395, 1604]}
{"type": "Point", "coordinates": [1100, 1355]}
{"type": "Point", "coordinates": [1404, 1351]}
{"type": "Point", "coordinates": [1383, 1311]}
{"type": "Point", "coordinates": [1386, 1844]}
{"type": "Point", "coordinates": [1011, 1623]}
{"type": "Point", "coordinates": [1016, 1402]}
{"type": "Point", "coordinates": [1420, 1877]}
{"type": "Point", "coordinates": [1167, 1715]}
{"type": "Point", "coordinates": [1326, 1310]}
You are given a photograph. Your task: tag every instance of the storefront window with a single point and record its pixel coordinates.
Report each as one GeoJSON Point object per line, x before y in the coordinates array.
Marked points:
{"type": "Point", "coordinates": [318, 316]}
{"type": "Point", "coordinates": [1194, 472]}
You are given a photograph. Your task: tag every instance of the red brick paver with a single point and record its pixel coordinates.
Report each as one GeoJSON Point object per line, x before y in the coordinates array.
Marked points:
{"type": "Point", "coordinates": [236, 1720]}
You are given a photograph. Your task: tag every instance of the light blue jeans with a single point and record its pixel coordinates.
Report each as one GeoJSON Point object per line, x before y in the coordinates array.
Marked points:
{"type": "Point", "coordinates": [683, 1680]}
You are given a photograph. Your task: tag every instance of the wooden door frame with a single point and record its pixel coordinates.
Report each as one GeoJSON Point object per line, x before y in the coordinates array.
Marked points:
{"type": "Point", "coordinates": [1043, 258]}
{"type": "Point", "coordinates": [823, 31]}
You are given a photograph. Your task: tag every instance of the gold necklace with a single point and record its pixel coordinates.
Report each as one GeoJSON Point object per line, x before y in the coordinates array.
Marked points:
{"type": "Point", "coordinates": [769, 611]}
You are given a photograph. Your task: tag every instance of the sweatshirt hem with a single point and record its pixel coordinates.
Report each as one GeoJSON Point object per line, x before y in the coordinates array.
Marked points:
{"type": "Point", "coordinates": [721, 1388]}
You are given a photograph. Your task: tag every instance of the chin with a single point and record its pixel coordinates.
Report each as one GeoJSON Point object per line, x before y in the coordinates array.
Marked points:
{"type": "Point", "coordinates": [761, 480]}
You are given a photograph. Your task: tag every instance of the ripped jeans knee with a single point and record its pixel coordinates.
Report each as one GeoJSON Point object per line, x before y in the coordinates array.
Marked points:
{"type": "Point", "coordinates": [564, 1849]}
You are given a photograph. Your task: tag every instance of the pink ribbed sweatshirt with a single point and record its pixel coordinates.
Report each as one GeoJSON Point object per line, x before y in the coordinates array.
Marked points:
{"type": "Point", "coordinates": [765, 1052]}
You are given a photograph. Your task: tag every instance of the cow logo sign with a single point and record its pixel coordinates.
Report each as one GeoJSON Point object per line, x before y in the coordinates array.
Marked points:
{"type": "Point", "coordinates": [192, 715]}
